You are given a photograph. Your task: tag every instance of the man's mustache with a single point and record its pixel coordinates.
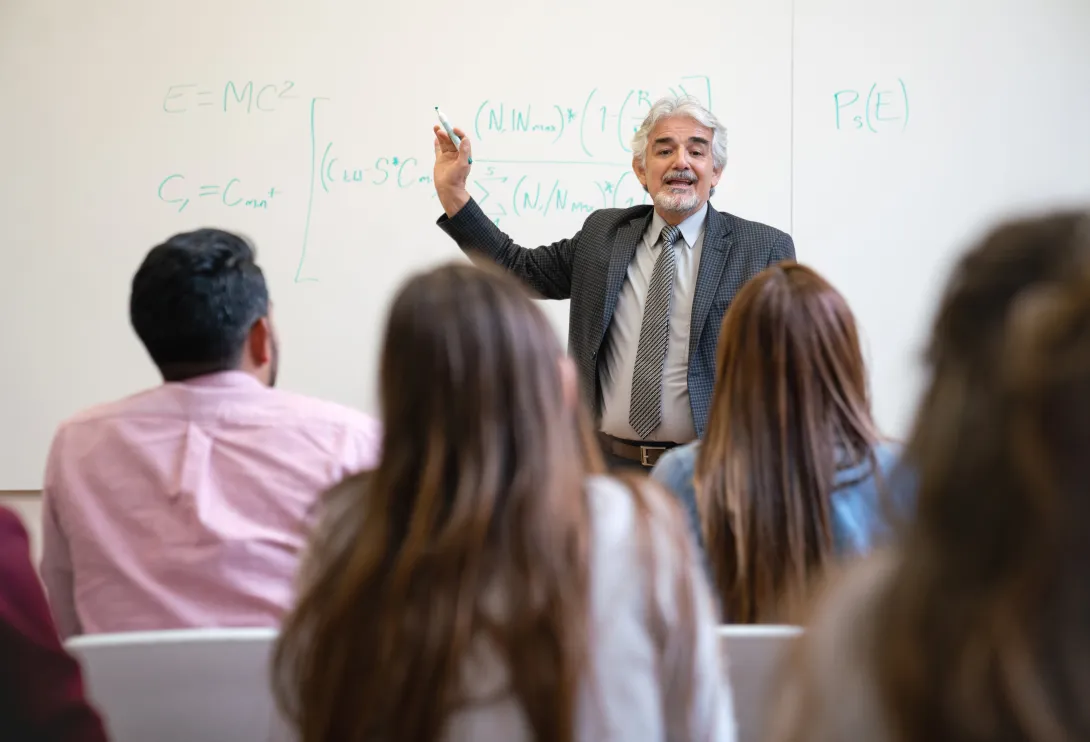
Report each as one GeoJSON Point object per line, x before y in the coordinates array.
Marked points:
{"type": "Point", "coordinates": [688, 177]}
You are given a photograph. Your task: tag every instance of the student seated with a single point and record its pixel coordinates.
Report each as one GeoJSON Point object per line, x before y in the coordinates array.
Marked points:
{"type": "Point", "coordinates": [791, 472]}
{"type": "Point", "coordinates": [975, 626]}
{"type": "Point", "coordinates": [188, 505]}
{"type": "Point", "coordinates": [487, 581]}
{"type": "Point", "coordinates": [41, 686]}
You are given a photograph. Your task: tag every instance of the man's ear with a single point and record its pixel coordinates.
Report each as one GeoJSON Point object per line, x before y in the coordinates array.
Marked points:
{"type": "Point", "coordinates": [640, 170]}
{"type": "Point", "coordinates": [259, 342]}
{"type": "Point", "coordinates": [716, 175]}
{"type": "Point", "coordinates": [569, 381]}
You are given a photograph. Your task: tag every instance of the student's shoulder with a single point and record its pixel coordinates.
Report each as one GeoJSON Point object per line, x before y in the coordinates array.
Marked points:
{"type": "Point", "coordinates": [889, 457]}
{"type": "Point", "coordinates": [888, 453]}
{"type": "Point", "coordinates": [900, 479]}
{"type": "Point", "coordinates": [323, 411]}
{"type": "Point", "coordinates": [829, 683]}
{"type": "Point", "coordinates": [11, 526]}
{"type": "Point", "coordinates": [15, 564]}
{"type": "Point", "coordinates": [615, 505]}
{"type": "Point", "coordinates": [106, 411]}
{"type": "Point", "coordinates": [856, 588]}
{"type": "Point", "coordinates": [677, 463]}
{"type": "Point", "coordinates": [609, 498]}
{"type": "Point", "coordinates": [885, 456]}
{"type": "Point", "coordinates": [845, 613]}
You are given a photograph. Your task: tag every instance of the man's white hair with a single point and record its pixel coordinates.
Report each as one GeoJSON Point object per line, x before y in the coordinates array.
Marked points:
{"type": "Point", "coordinates": [690, 107]}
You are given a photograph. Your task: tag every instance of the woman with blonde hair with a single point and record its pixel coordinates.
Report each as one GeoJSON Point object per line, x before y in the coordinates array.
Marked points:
{"type": "Point", "coordinates": [487, 580]}
{"type": "Point", "coordinates": [790, 475]}
{"type": "Point", "coordinates": [976, 627]}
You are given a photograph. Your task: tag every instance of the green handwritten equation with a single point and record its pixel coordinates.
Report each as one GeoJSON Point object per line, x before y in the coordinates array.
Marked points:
{"type": "Point", "coordinates": [176, 189]}
{"type": "Point", "coordinates": [602, 122]}
{"type": "Point", "coordinates": [501, 189]}
{"type": "Point", "coordinates": [245, 96]}
{"type": "Point", "coordinates": [533, 159]}
{"type": "Point", "coordinates": [884, 107]}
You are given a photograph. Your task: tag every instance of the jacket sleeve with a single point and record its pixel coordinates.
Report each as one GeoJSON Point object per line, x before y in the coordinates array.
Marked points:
{"type": "Point", "coordinates": [674, 471]}
{"type": "Point", "coordinates": [42, 685]}
{"type": "Point", "coordinates": [546, 270]}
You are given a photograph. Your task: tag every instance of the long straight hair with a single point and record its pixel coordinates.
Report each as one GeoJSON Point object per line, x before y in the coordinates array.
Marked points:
{"type": "Point", "coordinates": [790, 408]}
{"type": "Point", "coordinates": [475, 527]}
{"type": "Point", "coordinates": [983, 631]}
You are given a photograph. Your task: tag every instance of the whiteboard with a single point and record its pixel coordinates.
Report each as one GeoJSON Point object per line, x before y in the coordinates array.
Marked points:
{"type": "Point", "coordinates": [882, 134]}
{"type": "Point", "coordinates": [307, 126]}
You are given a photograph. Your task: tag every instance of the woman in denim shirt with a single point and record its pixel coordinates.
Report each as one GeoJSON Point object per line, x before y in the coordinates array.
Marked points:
{"type": "Point", "coordinates": [792, 472]}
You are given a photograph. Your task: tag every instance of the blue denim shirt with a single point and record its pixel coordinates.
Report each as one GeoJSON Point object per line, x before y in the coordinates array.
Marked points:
{"type": "Point", "coordinates": [859, 519]}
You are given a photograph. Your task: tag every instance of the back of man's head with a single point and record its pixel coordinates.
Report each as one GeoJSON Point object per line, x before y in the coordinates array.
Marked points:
{"type": "Point", "coordinates": [194, 301]}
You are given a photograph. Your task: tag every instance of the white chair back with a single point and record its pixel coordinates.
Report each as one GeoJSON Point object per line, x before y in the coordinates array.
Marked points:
{"type": "Point", "coordinates": [204, 685]}
{"type": "Point", "coordinates": [752, 655]}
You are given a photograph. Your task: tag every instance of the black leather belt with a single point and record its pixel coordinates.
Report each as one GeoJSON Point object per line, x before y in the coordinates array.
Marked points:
{"type": "Point", "coordinates": [644, 454]}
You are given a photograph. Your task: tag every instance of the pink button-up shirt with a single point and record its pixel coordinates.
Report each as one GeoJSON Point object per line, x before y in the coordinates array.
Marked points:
{"type": "Point", "coordinates": [189, 505]}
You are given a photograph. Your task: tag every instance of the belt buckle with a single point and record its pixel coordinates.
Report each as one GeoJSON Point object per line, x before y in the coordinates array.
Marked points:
{"type": "Point", "coordinates": [644, 451]}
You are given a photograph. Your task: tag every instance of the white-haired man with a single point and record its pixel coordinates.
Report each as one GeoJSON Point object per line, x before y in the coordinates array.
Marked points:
{"type": "Point", "coordinates": [648, 285]}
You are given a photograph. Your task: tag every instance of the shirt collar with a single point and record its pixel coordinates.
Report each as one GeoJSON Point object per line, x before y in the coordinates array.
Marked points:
{"type": "Point", "coordinates": [690, 228]}
{"type": "Point", "coordinates": [225, 379]}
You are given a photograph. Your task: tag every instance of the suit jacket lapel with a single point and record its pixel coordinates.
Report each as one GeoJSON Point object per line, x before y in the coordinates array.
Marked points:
{"type": "Point", "coordinates": [624, 249]}
{"type": "Point", "coordinates": [713, 259]}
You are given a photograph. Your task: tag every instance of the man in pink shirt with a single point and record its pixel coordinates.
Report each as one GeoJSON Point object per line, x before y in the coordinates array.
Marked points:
{"type": "Point", "coordinates": [189, 504]}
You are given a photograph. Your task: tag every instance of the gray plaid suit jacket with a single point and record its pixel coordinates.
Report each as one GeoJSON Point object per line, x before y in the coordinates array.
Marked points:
{"type": "Point", "coordinates": [590, 269]}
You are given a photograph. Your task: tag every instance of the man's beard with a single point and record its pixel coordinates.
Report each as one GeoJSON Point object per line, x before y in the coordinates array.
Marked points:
{"type": "Point", "coordinates": [678, 203]}
{"type": "Point", "coordinates": [682, 201]}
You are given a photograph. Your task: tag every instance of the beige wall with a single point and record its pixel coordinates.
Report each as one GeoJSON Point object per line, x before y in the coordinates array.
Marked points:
{"type": "Point", "coordinates": [29, 507]}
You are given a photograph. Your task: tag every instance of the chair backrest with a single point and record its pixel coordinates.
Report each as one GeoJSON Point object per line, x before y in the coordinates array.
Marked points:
{"type": "Point", "coordinates": [752, 655]}
{"type": "Point", "coordinates": [183, 686]}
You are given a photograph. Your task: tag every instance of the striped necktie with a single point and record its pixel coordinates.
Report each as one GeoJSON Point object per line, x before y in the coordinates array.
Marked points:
{"type": "Point", "coordinates": [645, 411]}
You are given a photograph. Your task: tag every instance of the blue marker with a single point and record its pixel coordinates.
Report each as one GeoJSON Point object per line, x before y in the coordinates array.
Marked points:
{"type": "Point", "coordinates": [450, 131]}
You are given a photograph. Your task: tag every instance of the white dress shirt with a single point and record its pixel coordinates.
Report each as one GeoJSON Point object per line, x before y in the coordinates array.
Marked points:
{"type": "Point", "coordinates": [623, 336]}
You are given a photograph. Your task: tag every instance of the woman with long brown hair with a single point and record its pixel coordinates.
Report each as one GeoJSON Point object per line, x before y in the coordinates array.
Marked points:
{"type": "Point", "coordinates": [791, 467]}
{"type": "Point", "coordinates": [976, 627]}
{"type": "Point", "coordinates": [487, 581]}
